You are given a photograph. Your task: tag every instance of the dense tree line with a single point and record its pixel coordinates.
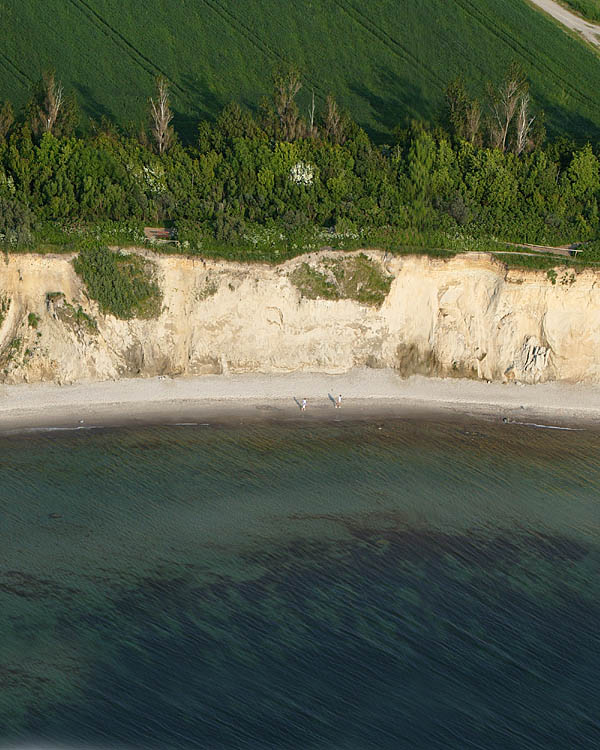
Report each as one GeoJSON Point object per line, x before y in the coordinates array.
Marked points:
{"type": "Point", "coordinates": [483, 168]}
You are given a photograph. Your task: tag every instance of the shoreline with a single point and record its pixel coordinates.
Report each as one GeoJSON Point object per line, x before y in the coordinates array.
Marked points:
{"type": "Point", "coordinates": [367, 394]}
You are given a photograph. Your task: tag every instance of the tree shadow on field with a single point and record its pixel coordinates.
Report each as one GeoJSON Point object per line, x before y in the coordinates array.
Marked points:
{"type": "Point", "coordinates": [199, 102]}
{"type": "Point", "coordinates": [560, 121]}
{"type": "Point", "coordinates": [199, 95]}
{"type": "Point", "coordinates": [92, 107]}
{"type": "Point", "coordinates": [186, 126]}
{"type": "Point", "coordinates": [402, 101]}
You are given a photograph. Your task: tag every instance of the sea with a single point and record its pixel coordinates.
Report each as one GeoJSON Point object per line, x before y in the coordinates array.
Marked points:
{"type": "Point", "coordinates": [302, 585]}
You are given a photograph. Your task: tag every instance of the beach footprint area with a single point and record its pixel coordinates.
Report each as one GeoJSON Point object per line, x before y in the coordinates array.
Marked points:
{"type": "Point", "coordinates": [368, 584]}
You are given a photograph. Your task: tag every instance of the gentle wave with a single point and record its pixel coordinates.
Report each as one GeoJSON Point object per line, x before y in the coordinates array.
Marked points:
{"type": "Point", "coordinates": [548, 426]}
{"type": "Point", "coordinates": [60, 429]}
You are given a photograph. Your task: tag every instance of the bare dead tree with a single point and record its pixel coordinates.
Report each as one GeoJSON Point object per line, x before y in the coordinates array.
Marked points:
{"type": "Point", "coordinates": [504, 103]}
{"type": "Point", "coordinates": [286, 87]}
{"type": "Point", "coordinates": [161, 117]}
{"type": "Point", "coordinates": [333, 121]}
{"type": "Point", "coordinates": [312, 128]}
{"type": "Point", "coordinates": [332, 117]}
{"type": "Point", "coordinates": [51, 104]}
{"type": "Point", "coordinates": [525, 122]}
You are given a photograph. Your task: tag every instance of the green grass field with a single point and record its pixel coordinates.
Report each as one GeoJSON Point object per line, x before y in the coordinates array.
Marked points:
{"type": "Point", "coordinates": [385, 60]}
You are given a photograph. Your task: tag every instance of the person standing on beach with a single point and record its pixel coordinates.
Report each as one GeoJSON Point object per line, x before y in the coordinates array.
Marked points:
{"type": "Point", "coordinates": [304, 402]}
{"type": "Point", "coordinates": [338, 403]}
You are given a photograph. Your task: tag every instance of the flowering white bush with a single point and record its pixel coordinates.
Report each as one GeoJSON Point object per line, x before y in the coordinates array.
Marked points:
{"type": "Point", "coordinates": [154, 179]}
{"type": "Point", "coordinates": [7, 182]}
{"type": "Point", "coordinates": [149, 178]}
{"type": "Point", "coordinates": [10, 238]}
{"type": "Point", "coordinates": [263, 236]}
{"type": "Point", "coordinates": [302, 173]}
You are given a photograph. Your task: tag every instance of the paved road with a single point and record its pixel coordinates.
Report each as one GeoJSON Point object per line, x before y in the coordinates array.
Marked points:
{"type": "Point", "coordinates": [588, 30]}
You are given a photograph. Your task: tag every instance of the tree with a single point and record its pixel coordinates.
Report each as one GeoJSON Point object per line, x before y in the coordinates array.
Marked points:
{"type": "Point", "coordinates": [51, 98]}
{"type": "Point", "coordinates": [524, 123]}
{"type": "Point", "coordinates": [504, 104]}
{"type": "Point", "coordinates": [312, 128]}
{"type": "Point", "coordinates": [105, 128]}
{"type": "Point", "coordinates": [235, 122]}
{"type": "Point", "coordinates": [456, 107]}
{"type": "Point", "coordinates": [50, 110]}
{"type": "Point", "coordinates": [473, 122]}
{"type": "Point", "coordinates": [334, 123]}
{"type": "Point", "coordinates": [7, 117]}
{"type": "Point", "coordinates": [463, 113]}
{"type": "Point", "coordinates": [286, 87]}
{"type": "Point", "coordinates": [161, 117]}
{"type": "Point", "coordinates": [583, 174]}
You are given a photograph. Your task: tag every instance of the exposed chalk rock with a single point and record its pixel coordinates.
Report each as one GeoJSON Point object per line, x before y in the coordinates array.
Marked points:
{"type": "Point", "coordinates": [464, 317]}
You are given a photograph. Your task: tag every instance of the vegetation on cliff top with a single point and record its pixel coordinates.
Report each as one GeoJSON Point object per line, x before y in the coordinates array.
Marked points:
{"type": "Point", "coordinates": [282, 183]}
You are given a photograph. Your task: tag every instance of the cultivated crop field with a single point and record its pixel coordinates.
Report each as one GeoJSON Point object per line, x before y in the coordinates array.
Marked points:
{"type": "Point", "coordinates": [385, 60]}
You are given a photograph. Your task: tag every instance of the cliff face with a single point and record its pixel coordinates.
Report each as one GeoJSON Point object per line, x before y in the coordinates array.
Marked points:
{"type": "Point", "coordinates": [465, 317]}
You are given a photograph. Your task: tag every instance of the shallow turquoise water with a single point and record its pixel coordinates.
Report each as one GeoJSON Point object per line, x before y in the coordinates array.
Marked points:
{"type": "Point", "coordinates": [349, 585]}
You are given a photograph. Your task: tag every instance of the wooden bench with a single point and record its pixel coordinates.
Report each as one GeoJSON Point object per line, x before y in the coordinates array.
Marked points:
{"type": "Point", "coordinates": [159, 234]}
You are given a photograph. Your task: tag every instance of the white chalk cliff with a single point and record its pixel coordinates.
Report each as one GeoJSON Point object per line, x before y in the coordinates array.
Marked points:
{"type": "Point", "coordinates": [464, 317]}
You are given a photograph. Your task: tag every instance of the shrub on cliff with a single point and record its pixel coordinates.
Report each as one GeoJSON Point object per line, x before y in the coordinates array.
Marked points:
{"type": "Point", "coordinates": [124, 285]}
{"type": "Point", "coordinates": [352, 277]}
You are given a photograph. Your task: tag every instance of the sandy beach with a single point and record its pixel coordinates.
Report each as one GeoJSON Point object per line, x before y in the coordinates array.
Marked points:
{"type": "Point", "coordinates": [366, 394]}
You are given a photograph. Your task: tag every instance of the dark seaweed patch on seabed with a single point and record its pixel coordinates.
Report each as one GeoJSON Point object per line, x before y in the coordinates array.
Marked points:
{"type": "Point", "coordinates": [22, 584]}
{"type": "Point", "coordinates": [477, 547]}
{"type": "Point", "coordinates": [346, 644]}
{"type": "Point", "coordinates": [374, 631]}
